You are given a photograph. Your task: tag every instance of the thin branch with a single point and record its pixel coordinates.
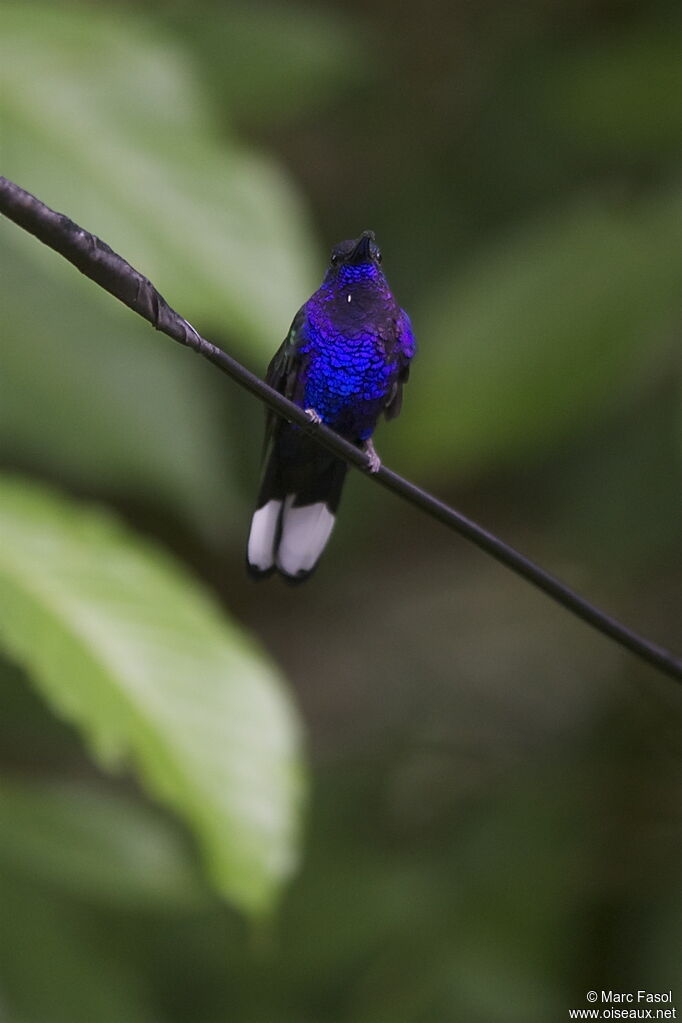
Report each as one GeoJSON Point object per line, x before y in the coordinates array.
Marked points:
{"type": "Point", "coordinates": [98, 262]}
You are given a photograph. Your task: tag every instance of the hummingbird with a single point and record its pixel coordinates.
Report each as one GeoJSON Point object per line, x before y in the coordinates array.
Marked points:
{"type": "Point", "coordinates": [344, 361]}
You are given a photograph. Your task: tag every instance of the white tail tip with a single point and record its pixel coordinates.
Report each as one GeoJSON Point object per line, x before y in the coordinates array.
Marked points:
{"type": "Point", "coordinates": [260, 551]}
{"type": "Point", "coordinates": [305, 532]}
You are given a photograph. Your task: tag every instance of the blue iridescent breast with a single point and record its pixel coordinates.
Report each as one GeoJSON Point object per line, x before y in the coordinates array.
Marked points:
{"type": "Point", "coordinates": [349, 374]}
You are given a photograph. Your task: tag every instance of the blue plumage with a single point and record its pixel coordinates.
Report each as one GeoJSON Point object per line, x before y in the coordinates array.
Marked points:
{"type": "Point", "coordinates": [345, 360]}
{"type": "Point", "coordinates": [347, 379]}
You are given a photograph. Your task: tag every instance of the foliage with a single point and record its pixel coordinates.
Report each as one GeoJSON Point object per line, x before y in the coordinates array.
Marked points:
{"type": "Point", "coordinates": [583, 301]}
{"type": "Point", "coordinates": [125, 646]}
{"type": "Point", "coordinates": [125, 139]}
{"type": "Point", "coordinates": [495, 798]}
{"type": "Point", "coordinates": [97, 844]}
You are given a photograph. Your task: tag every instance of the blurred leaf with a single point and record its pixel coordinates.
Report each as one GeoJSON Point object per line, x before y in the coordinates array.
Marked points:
{"type": "Point", "coordinates": [95, 845]}
{"type": "Point", "coordinates": [125, 645]}
{"type": "Point", "coordinates": [270, 63]}
{"type": "Point", "coordinates": [622, 95]}
{"type": "Point", "coordinates": [637, 459]}
{"type": "Point", "coordinates": [103, 121]}
{"type": "Point", "coordinates": [90, 393]}
{"type": "Point", "coordinates": [32, 739]}
{"type": "Point", "coordinates": [57, 964]}
{"type": "Point", "coordinates": [545, 334]}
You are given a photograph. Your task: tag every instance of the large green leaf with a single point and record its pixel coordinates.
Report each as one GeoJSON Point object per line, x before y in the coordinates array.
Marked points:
{"type": "Point", "coordinates": [103, 120]}
{"type": "Point", "coordinates": [98, 846]}
{"type": "Point", "coordinates": [125, 645]}
{"type": "Point", "coordinates": [89, 393]}
{"type": "Point", "coordinates": [545, 333]}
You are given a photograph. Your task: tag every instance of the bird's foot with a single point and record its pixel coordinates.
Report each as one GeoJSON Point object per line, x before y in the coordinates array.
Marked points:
{"type": "Point", "coordinates": [313, 416]}
{"type": "Point", "coordinates": [373, 460]}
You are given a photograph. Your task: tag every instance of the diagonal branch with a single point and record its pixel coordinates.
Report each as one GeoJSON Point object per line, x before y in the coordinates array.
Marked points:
{"type": "Point", "coordinates": [104, 266]}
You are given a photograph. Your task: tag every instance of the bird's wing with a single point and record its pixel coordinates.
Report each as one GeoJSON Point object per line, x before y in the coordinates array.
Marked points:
{"type": "Point", "coordinates": [407, 346]}
{"type": "Point", "coordinates": [284, 370]}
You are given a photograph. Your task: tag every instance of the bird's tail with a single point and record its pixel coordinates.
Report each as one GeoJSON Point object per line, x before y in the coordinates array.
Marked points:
{"type": "Point", "coordinates": [299, 495]}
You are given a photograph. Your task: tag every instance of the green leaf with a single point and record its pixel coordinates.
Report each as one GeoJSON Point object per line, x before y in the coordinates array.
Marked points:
{"type": "Point", "coordinates": [545, 334]}
{"type": "Point", "coordinates": [95, 845]}
{"type": "Point", "coordinates": [102, 119]}
{"type": "Point", "coordinates": [127, 647]}
{"type": "Point", "coordinates": [620, 97]}
{"type": "Point", "coordinates": [57, 963]}
{"type": "Point", "coordinates": [91, 394]}
{"type": "Point", "coordinates": [271, 63]}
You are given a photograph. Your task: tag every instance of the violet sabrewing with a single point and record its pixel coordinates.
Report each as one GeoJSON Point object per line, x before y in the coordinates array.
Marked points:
{"type": "Point", "coordinates": [344, 360]}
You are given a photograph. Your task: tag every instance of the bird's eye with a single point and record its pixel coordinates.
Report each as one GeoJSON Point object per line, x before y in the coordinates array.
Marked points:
{"type": "Point", "coordinates": [335, 258]}
{"type": "Point", "coordinates": [379, 256]}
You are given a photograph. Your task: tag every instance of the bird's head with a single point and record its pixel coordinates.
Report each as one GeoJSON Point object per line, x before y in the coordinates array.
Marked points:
{"type": "Point", "coordinates": [356, 261]}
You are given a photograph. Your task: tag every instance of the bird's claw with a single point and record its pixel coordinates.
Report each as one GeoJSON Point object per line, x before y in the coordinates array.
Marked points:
{"type": "Point", "coordinates": [373, 460]}
{"type": "Point", "coordinates": [313, 416]}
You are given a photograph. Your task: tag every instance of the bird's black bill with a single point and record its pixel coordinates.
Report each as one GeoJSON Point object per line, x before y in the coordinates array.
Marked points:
{"type": "Point", "coordinates": [362, 251]}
